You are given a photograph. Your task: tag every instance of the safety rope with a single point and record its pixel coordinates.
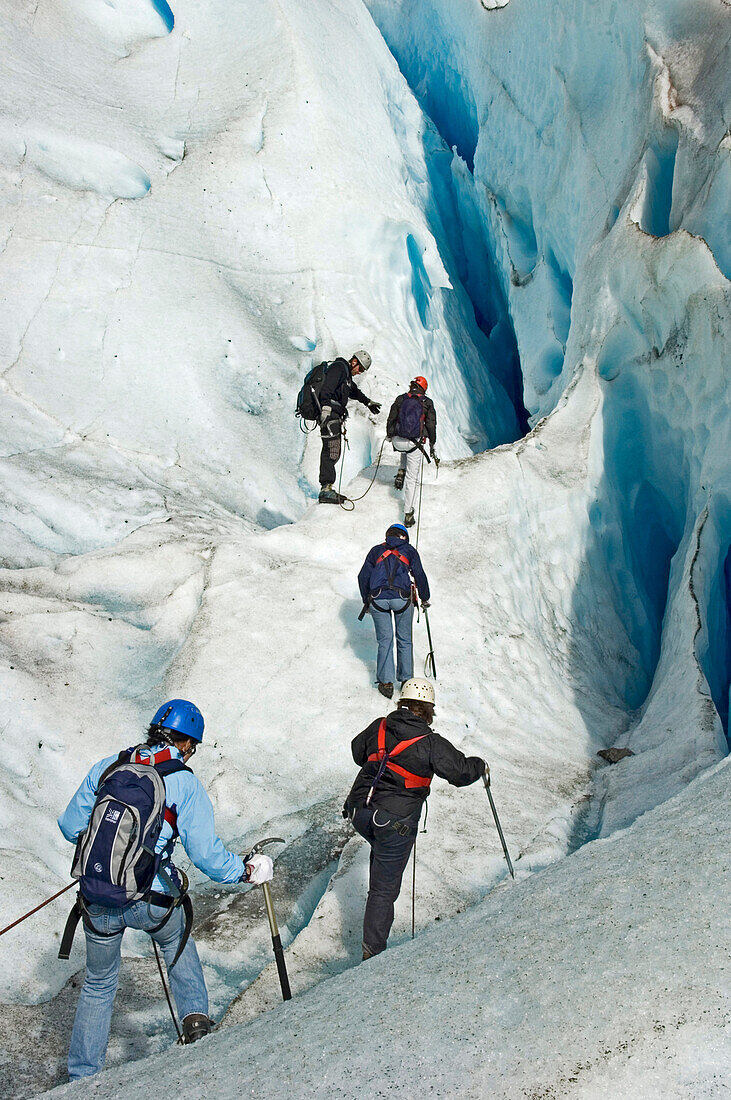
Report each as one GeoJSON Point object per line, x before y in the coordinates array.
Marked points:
{"type": "Point", "coordinates": [32, 911]}
{"type": "Point", "coordinates": [421, 487]}
{"type": "Point", "coordinates": [351, 500]}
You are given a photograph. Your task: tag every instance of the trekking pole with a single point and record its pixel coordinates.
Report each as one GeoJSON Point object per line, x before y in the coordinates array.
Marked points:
{"type": "Point", "coordinates": [430, 663]}
{"type": "Point", "coordinates": [486, 781]}
{"type": "Point", "coordinates": [32, 911]}
{"type": "Point", "coordinates": [167, 994]}
{"type": "Point", "coordinates": [413, 894]}
{"type": "Point", "coordinates": [276, 938]}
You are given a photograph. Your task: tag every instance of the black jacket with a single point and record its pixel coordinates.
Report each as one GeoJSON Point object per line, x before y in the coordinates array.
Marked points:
{"type": "Point", "coordinates": [339, 386]}
{"type": "Point", "coordinates": [433, 755]}
{"type": "Point", "coordinates": [430, 419]}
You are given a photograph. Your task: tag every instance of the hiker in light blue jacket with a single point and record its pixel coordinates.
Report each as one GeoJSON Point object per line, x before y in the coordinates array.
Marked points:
{"type": "Point", "coordinates": [174, 734]}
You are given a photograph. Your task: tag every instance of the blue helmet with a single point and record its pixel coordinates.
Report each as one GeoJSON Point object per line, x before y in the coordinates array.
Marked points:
{"type": "Point", "coordinates": [181, 716]}
{"type": "Point", "coordinates": [399, 530]}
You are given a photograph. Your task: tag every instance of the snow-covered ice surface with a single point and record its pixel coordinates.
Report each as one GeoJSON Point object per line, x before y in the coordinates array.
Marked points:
{"type": "Point", "coordinates": [581, 982]}
{"type": "Point", "coordinates": [529, 204]}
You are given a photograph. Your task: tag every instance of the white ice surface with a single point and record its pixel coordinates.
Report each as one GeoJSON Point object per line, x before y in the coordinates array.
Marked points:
{"type": "Point", "coordinates": [582, 981]}
{"type": "Point", "coordinates": [301, 204]}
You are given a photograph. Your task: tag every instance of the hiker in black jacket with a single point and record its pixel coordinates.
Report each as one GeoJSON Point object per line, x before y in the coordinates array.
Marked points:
{"type": "Point", "coordinates": [385, 802]}
{"type": "Point", "coordinates": [411, 421]}
{"type": "Point", "coordinates": [337, 387]}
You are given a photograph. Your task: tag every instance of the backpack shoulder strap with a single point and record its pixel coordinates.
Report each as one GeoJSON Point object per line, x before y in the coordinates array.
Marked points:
{"type": "Point", "coordinates": [167, 767]}
{"type": "Point", "coordinates": [124, 758]}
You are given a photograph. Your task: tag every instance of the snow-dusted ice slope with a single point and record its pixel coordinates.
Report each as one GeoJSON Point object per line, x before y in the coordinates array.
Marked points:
{"type": "Point", "coordinates": [583, 982]}
{"type": "Point", "coordinates": [201, 200]}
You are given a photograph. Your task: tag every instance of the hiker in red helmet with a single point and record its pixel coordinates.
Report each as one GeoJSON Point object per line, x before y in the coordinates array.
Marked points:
{"type": "Point", "coordinates": [411, 421]}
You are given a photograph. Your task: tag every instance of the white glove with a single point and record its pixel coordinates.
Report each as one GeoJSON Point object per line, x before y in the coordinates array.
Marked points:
{"type": "Point", "coordinates": [259, 869]}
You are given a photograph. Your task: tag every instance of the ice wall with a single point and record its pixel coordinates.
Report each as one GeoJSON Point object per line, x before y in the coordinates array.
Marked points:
{"type": "Point", "coordinates": [194, 214]}
{"type": "Point", "coordinates": [595, 154]}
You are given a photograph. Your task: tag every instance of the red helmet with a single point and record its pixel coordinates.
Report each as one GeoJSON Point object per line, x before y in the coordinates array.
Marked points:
{"type": "Point", "coordinates": [420, 381]}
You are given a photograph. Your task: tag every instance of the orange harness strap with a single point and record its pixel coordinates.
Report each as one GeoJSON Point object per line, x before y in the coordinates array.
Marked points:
{"type": "Point", "coordinates": [410, 778]}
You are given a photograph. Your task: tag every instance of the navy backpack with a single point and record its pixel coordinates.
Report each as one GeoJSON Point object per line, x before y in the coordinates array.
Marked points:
{"type": "Point", "coordinates": [410, 422]}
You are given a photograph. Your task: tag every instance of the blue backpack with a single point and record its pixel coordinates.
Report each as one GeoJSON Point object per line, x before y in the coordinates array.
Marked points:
{"type": "Point", "coordinates": [410, 422]}
{"type": "Point", "coordinates": [115, 860]}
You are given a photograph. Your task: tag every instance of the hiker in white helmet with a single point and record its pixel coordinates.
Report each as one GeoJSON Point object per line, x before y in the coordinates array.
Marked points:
{"type": "Point", "coordinates": [398, 757]}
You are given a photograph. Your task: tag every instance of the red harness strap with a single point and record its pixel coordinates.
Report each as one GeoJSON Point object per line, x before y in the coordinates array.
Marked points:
{"type": "Point", "coordinates": [387, 553]}
{"type": "Point", "coordinates": [170, 814]}
{"type": "Point", "coordinates": [410, 778]}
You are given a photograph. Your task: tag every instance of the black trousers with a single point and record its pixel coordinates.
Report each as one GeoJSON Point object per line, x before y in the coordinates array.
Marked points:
{"type": "Point", "coordinates": [390, 851]}
{"type": "Point", "coordinates": [330, 432]}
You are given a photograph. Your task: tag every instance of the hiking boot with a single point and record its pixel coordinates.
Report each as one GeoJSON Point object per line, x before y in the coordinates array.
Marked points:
{"type": "Point", "coordinates": [329, 496]}
{"type": "Point", "coordinates": [195, 1026]}
{"type": "Point", "coordinates": [386, 689]}
{"type": "Point", "coordinates": [399, 479]}
{"type": "Point", "coordinates": [367, 953]}
{"type": "Point", "coordinates": [409, 520]}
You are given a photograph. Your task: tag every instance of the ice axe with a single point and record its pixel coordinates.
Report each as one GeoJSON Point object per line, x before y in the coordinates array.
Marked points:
{"type": "Point", "coordinates": [430, 667]}
{"type": "Point", "coordinates": [486, 781]}
{"type": "Point", "coordinates": [276, 939]}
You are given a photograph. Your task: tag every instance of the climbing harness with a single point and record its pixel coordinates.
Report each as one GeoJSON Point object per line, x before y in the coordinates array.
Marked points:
{"type": "Point", "coordinates": [385, 760]}
{"type": "Point", "coordinates": [170, 902]}
{"type": "Point", "coordinates": [486, 781]}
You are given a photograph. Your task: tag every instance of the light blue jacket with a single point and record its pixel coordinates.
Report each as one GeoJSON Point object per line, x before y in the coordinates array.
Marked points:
{"type": "Point", "coordinates": [184, 793]}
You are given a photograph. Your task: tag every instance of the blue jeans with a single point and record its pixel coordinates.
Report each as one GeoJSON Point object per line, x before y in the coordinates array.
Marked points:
{"type": "Point", "coordinates": [384, 636]}
{"type": "Point", "coordinates": [90, 1035]}
{"type": "Point", "coordinates": [390, 851]}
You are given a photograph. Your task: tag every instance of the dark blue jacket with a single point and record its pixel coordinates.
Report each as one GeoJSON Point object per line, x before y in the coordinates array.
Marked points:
{"type": "Point", "coordinates": [391, 577]}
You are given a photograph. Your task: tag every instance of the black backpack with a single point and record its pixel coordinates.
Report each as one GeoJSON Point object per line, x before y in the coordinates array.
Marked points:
{"type": "Point", "coordinates": [308, 399]}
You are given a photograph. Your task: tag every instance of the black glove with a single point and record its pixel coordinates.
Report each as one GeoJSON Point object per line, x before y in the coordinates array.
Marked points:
{"type": "Point", "coordinates": [374, 406]}
{"type": "Point", "coordinates": [435, 457]}
{"type": "Point", "coordinates": [425, 604]}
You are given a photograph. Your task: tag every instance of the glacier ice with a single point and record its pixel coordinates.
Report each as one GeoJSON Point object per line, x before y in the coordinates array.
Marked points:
{"type": "Point", "coordinates": [530, 208]}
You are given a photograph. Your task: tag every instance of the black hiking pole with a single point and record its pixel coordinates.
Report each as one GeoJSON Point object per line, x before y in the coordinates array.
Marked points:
{"type": "Point", "coordinates": [430, 663]}
{"type": "Point", "coordinates": [486, 781]}
{"type": "Point", "coordinates": [276, 938]}
{"type": "Point", "coordinates": [277, 944]}
{"type": "Point", "coordinates": [413, 895]}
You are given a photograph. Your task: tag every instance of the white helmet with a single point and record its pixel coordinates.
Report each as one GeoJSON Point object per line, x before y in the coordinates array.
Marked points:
{"type": "Point", "coordinates": [418, 689]}
{"type": "Point", "coordinates": [363, 358]}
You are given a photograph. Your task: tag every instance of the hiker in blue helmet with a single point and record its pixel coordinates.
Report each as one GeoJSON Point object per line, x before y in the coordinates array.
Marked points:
{"type": "Point", "coordinates": [163, 910]}
{"type": "Point", "coordinates": [386, 588]}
